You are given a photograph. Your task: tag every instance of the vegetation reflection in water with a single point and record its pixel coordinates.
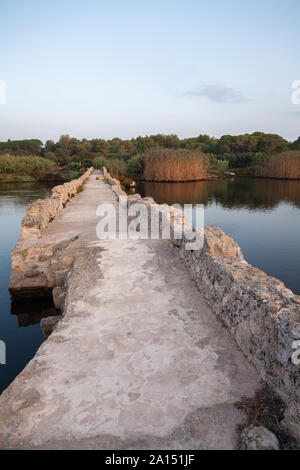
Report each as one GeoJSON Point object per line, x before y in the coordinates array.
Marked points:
{"type": "Point", "coordinates": [249, 193]}
{"type": "Point", "coordinates": [262, 215]}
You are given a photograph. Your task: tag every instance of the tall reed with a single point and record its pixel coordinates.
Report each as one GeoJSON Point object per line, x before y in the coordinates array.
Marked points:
{"type": "Point", "coordinates": [162, 164]}
{"type": "Point", "coordinates": [283, 165]}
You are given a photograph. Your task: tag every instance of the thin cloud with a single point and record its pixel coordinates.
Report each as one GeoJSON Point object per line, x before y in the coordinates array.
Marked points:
{"type": "Point", "coordinates": [291, 113]}
{"type": "Point", "coordinates": [218, 94]}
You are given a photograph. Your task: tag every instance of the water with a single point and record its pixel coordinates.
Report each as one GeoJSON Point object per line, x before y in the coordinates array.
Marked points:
{"type": "Point", "coordinates": [21, 333]}
{"type": "Point", "coordinates": [262, 215]}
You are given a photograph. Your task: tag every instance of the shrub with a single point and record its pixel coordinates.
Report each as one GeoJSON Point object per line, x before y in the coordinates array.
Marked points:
{"type": "Point", "coordinates": [220, 165]}
{"type": "Point", "coordinates": [126, 182]}
{"type": "Point", "coordinates": [135, 165]}
{"type": "Point", "coordinates": [99, 162]}
{"type": "Point", "coordinates": [76, 166]}
{"type": "Point", "coordinates": [72, 175]}
{"type": "Point", "coordinates": [117, 168]}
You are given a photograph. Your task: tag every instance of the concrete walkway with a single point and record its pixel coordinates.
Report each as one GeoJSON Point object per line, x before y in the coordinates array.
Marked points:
{"type": "Point", "coordinates": [138, 360]}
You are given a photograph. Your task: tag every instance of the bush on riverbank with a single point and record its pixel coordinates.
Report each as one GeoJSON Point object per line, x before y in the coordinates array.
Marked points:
{"type": "Point", "coordinates": [219, 165]}
{"type": "Point", "coordinates": [115, 166]}
{"type": "Point", "coordinates": [32, 166]}
{"type": "Point", "coordinates": [119, 169]}
{"type": "Point", "coordinates": [162, 164]}
{"type": "Point", "coordinates": [282, 165]}
{"type": "Point", "coordinates": [135, 165]}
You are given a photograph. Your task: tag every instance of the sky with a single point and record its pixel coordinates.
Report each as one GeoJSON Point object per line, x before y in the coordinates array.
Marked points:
{"type": "Point", "coordinates": [123, 68]}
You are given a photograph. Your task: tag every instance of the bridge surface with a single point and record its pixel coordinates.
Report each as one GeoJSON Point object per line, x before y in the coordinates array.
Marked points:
{"type": "Point", "coordinates": [138, 360]}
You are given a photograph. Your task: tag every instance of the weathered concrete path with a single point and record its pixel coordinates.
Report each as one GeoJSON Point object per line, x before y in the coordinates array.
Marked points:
{"type": "Point", "coordinates": [138, 360]}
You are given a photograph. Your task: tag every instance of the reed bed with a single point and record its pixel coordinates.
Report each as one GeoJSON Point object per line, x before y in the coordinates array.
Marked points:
{"type": "Point", "coordinates": [26, 165]}
{"type": "Point", "coordinates": [162, 164]}
{"type": "Point", "coordinates": [284, 165]}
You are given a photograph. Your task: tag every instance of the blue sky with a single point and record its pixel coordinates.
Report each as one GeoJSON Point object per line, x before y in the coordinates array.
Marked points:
{"type": "Point", "coordinates": [94, 68]}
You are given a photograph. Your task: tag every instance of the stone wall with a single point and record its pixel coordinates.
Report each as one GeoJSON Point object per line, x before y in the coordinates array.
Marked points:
{"type": "Point", "coordinates": [43, 211]}
{"type": "Point", "coordinates": [38, 267]}
{"type": "Point", "coordinates": [260, 312]}
{"type": "Point", "coordinates": [116, 185]}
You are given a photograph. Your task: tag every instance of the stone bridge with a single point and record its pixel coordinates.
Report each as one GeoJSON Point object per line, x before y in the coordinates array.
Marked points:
{"type": "Point", "coordinates": [142, 357]}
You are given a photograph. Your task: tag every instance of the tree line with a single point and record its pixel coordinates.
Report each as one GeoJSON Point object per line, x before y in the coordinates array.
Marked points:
{"type": "Point", "coordinates": [68, 149]}
{"type": "Point", "coordinates": [127, 157]}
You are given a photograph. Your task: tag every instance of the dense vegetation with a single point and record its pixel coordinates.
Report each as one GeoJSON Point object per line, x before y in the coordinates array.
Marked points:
{"type": "Point", "coordinates": [251, 153]}
{"type": "Point", "coordinates": [22, 147]}
{"type": "Point", "coordinates": [281, 165]}
{"type": "Point", "coordinates": [28, 168]}
{"type": "Point", "coordinates": [174, 165]}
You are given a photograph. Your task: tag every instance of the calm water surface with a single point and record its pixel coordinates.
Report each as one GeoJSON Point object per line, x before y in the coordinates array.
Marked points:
{"type": "Point", "coordinates": [262, 215]}
{"type": "Point", "coordinates": [19, 327]}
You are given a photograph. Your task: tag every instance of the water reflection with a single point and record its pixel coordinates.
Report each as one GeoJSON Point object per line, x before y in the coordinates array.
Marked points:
{"type": "Point", "coordinates": [16, 195]}
{"type": "Point", "coordinates": [262, 215]}
{"type": "Point", "coordinates": [247, 193]}
{"type": "Point", "coordinates": [30, 311]}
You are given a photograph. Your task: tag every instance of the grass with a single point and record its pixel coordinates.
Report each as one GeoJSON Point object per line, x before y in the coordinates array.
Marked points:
{"type": "Point", "coordinates": [266, 409]}
{"type": "Point", "coordinates": [284, 165]}
{"type": "Point", "coordinates": [25, 254]}
{"type": "Point", "coordinates": [25, 166]}
{"type": "Point", "coordinates": [80, 188]}
{"type": "Point", "coordinates": [162, 164]}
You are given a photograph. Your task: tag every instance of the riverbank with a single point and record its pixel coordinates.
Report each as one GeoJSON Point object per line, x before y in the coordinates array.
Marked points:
{"type": "Point", "coordinates": [13, 178]}
{"type": "Point", "coordinates": [250, 175]}
{"type": "Point", "coordinates": [59, 176]}
{"type": "Point", "coordinates": [32, 168]}
{"type": "Point", "coordinates": [211, 177]}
